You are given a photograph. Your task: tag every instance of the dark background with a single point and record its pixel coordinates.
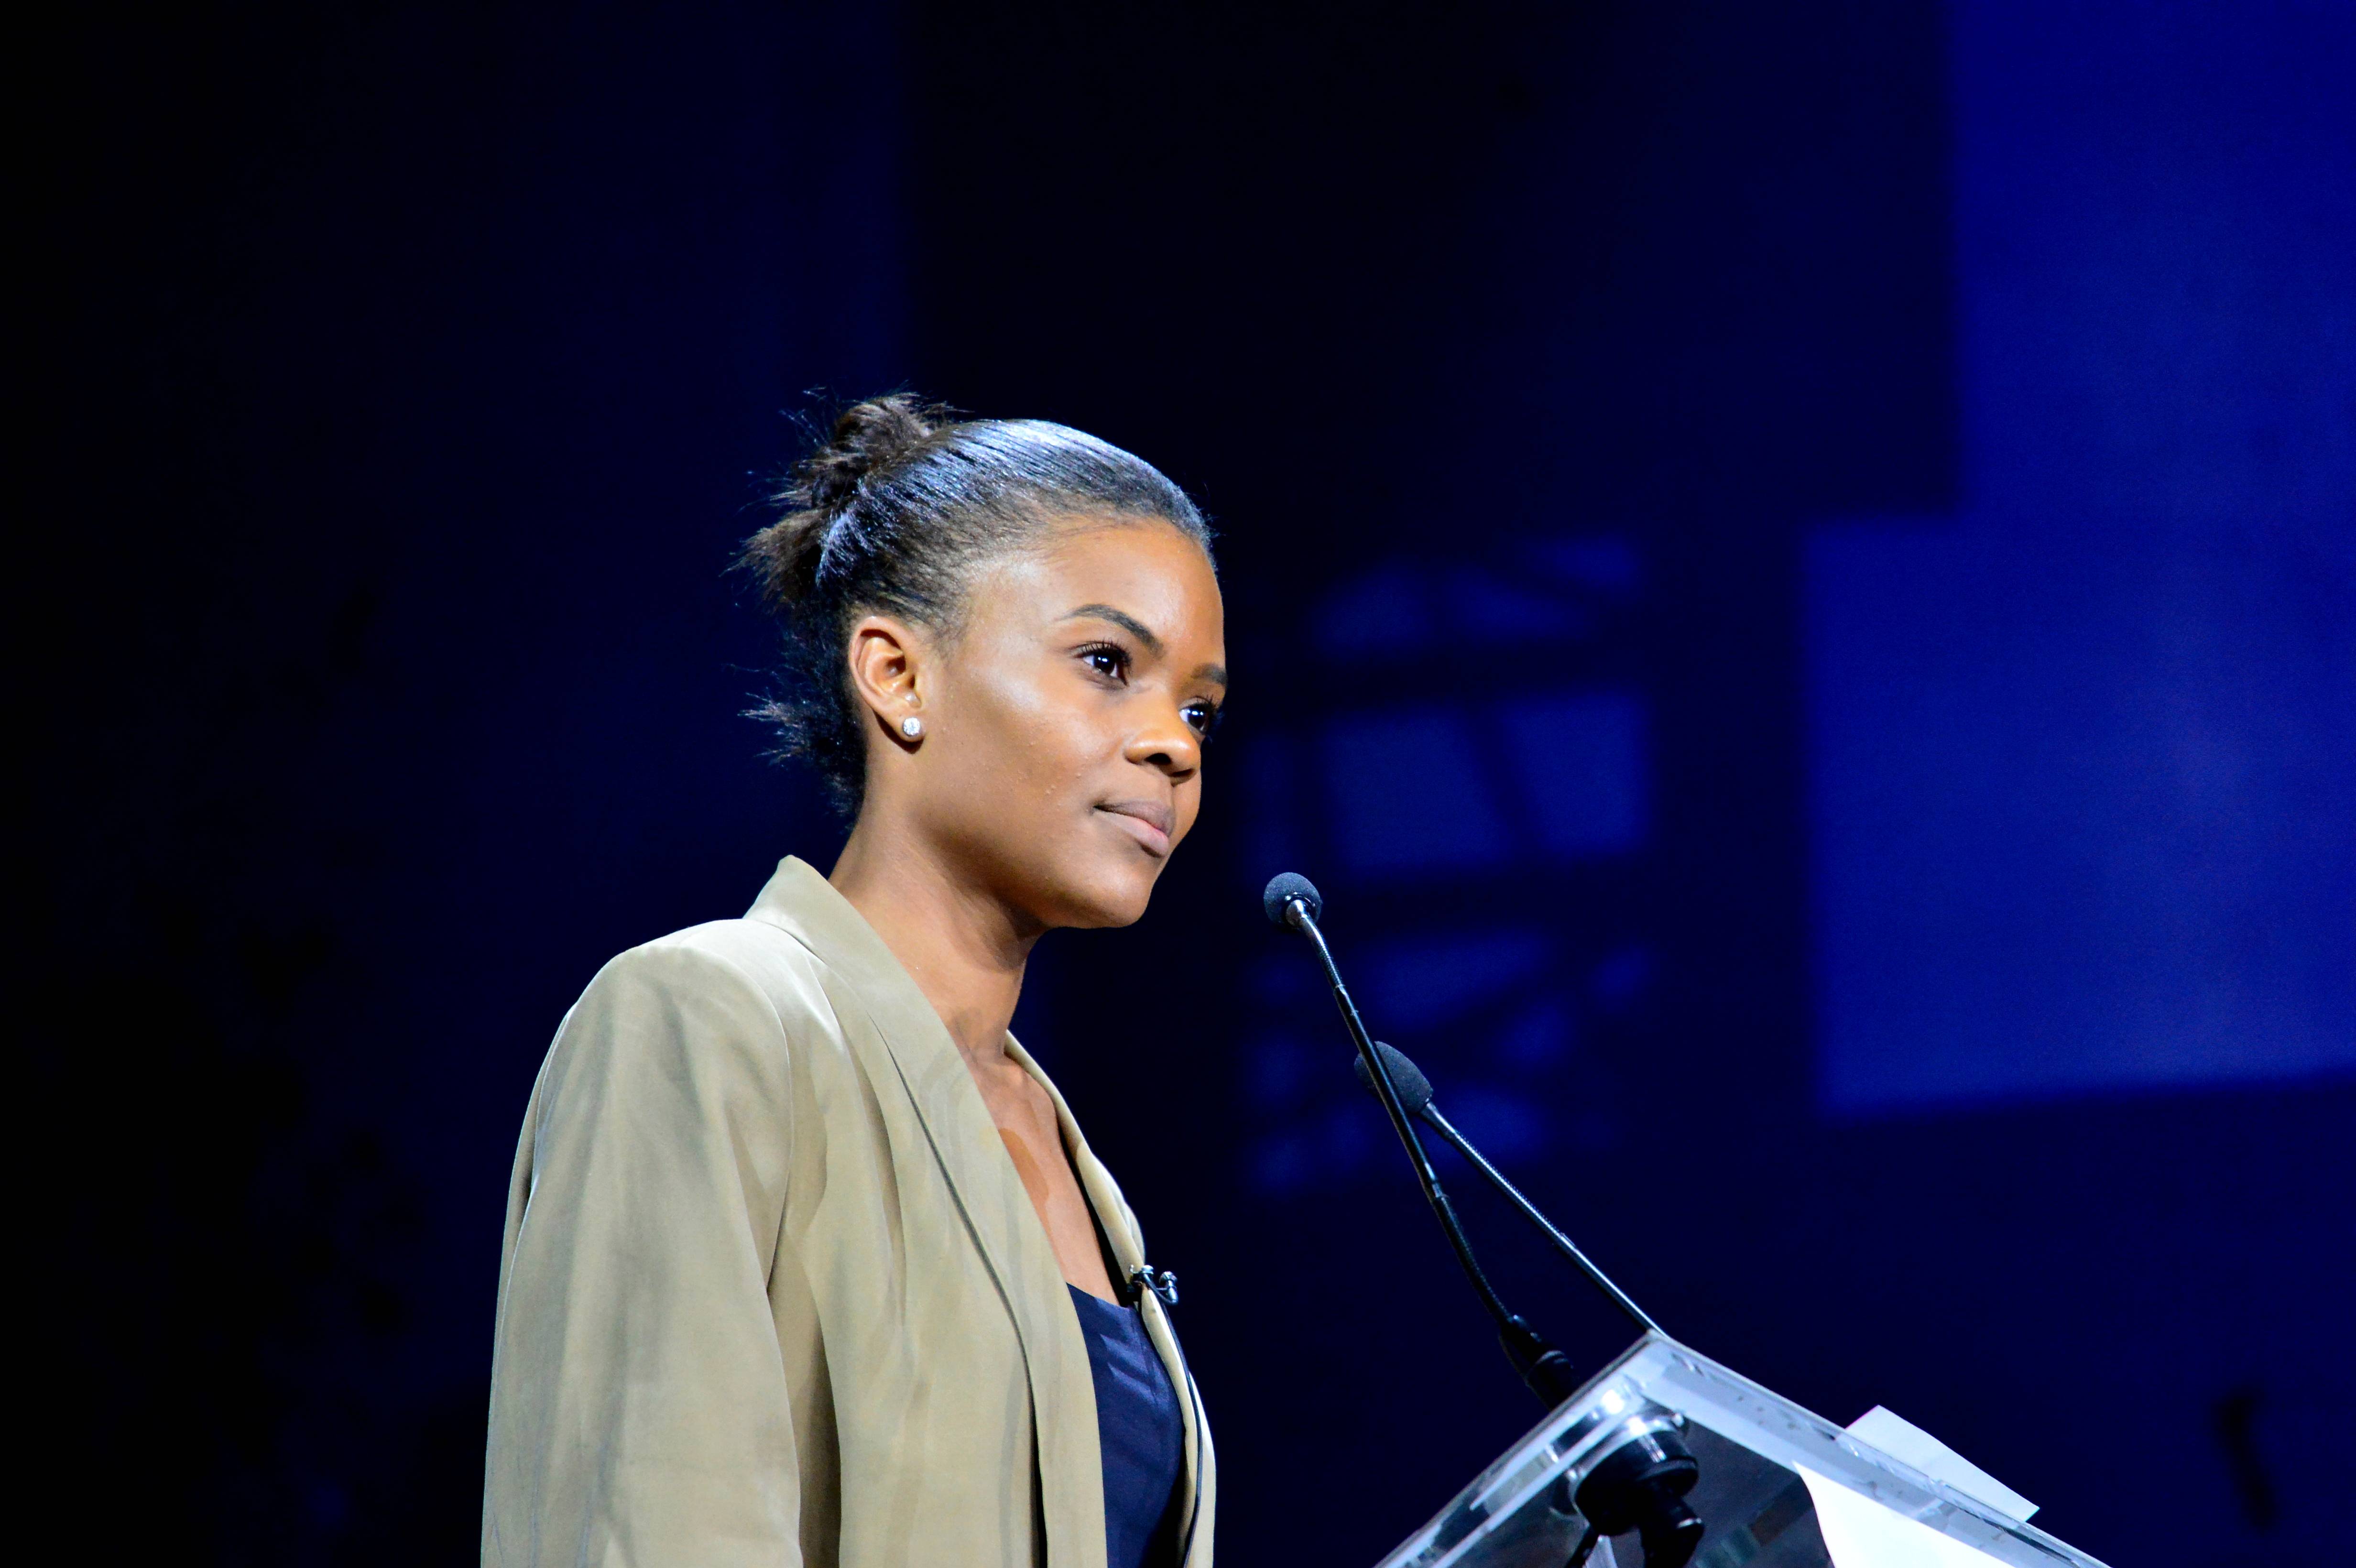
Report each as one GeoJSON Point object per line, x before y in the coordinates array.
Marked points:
{"type": "Point", "coordinates": [1790, 572]}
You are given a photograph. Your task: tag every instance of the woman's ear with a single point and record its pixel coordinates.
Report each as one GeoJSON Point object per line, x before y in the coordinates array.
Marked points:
{"type": "Point", "coordinates": [887, 669]}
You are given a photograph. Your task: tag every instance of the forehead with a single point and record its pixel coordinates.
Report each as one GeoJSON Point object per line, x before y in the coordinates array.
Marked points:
{"type": "Point", "coordinates": [1145, 568]}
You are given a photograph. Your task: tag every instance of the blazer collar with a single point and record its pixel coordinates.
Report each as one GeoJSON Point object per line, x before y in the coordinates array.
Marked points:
{"type": "Point", "coordinates": [1014, 1246]}
{"type": "Point", "coordinates": [804, 904]}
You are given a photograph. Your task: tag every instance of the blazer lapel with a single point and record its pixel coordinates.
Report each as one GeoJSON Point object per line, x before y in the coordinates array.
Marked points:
{"type": "Point", "coordinates": [925, 1061]}
{"type": "Point", "coordinates": [1128, 1244]}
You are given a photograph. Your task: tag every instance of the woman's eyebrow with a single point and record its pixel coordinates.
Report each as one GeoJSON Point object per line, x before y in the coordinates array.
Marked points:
{"type": "Point", "coordinates": [1125, 621]}
{"type": "Point", "coordinates": [1216, 674]}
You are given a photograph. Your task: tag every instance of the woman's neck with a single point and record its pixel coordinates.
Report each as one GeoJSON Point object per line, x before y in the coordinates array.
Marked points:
{"type": "Point", "coordinates": [965, 949]}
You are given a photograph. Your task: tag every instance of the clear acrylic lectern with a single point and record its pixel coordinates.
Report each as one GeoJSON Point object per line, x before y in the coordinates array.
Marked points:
{"type": "Point", "coordinates": [1764, 1465]}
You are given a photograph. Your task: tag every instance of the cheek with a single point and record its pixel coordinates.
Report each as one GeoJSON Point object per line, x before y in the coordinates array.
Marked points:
{"type": "Point", "coordinates": [1034, 739]}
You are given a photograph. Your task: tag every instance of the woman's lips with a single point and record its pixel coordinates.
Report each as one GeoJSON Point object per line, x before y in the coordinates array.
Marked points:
{"type": "Point", "coordinates": [1147, 821]}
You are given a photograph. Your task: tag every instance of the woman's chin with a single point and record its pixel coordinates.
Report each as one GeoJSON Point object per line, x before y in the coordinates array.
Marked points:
{"type": "Point", "coordinates": [1109, 896]}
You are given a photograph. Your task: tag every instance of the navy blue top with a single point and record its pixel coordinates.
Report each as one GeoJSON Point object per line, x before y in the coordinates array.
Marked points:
{"type": "Point", "coordinates": [1140, 1430]}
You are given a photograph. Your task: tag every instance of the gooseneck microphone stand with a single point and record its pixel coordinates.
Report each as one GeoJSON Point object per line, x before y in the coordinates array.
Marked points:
{"type": "Point", "coordinates": [1642, 1483]}
{"type": "Point", "coordinates": [1293, 905]}
{"type": "Point", "coordinates": [1416, 1095]}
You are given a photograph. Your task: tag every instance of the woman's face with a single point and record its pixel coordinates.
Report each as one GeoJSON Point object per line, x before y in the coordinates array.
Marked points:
{"type": "Point", "coordinates": [1061, 763]}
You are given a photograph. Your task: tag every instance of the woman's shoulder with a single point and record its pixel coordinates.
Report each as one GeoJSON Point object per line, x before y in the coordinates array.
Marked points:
{"type": "Point", "coordinates": [744, 960]}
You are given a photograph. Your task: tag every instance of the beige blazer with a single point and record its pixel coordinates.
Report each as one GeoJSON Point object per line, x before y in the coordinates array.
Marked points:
{"type": "Point", "coordinates": [772, 1292]}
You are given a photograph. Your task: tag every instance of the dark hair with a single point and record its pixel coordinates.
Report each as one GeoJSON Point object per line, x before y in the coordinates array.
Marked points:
{"type": "Point", "coordinates": [893, 513]}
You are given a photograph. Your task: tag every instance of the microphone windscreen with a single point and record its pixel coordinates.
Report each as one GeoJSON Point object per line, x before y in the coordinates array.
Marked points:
{"type": "Point", "coordinates": [1282, 888]}
{"type": "Point", "coordinates": [1414, 1088]}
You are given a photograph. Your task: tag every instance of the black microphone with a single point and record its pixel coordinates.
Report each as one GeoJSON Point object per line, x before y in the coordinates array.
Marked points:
{"type": "Point", "coordinates": [1291, 898]}
{"type": "Point", "coordinates": [1291, 903]}
{"type": "Point", "coordinates": [1415, 1098]}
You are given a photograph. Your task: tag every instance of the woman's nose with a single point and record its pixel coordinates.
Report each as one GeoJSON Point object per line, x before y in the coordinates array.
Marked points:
{"type": "Point", "coordinates": [1168, 742]}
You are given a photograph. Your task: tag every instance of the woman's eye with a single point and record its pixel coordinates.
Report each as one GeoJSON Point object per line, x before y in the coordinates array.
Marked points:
{"type": "Point", "coordinates": [1203, 718]}
{"type": "Point", "coordinates": [1108, 662]}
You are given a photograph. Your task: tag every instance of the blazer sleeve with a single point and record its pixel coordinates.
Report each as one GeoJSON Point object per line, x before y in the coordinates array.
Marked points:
{"type": "Point", "coordinates": [638, 1402]}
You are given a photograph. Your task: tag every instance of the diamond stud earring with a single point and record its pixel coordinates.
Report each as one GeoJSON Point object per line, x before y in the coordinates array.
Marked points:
{"type": "Point", "coordinates": [911, 726]}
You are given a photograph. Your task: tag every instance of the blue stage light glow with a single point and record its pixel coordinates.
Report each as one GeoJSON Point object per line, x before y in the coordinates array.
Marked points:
{"type": "Point", "coordinates": [1438, 796]}
{"type": "Point", "coordinates": [1410, 794]}
{"type": "Point", "coordinates": [2083, 820]}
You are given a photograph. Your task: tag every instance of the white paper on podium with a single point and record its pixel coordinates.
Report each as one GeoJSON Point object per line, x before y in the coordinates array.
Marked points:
{"type": "Point", "coordinates": [1909, 1445]}
{"type": "Point", "coordinates": [1860, 1533]}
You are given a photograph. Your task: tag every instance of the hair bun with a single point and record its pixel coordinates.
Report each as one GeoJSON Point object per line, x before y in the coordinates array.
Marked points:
{"type": "Point", "coordinates": [868, 438]}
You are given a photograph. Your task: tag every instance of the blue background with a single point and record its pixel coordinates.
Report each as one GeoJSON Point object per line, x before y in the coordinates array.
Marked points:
{"type": "Point", "coordinates": [1790, 574]}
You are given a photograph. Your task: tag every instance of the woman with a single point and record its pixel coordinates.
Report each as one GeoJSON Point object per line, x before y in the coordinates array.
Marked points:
{"type": "Point", "coordinates": [806, 1261]}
